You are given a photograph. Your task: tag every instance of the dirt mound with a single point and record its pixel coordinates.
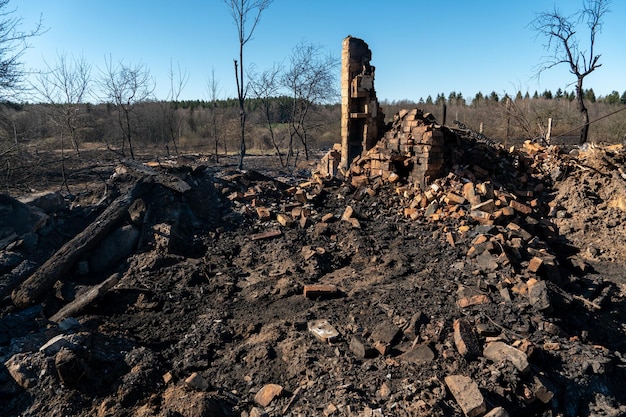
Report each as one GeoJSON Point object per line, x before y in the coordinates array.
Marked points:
{"type": "Point", "coordinates": [486, 291]}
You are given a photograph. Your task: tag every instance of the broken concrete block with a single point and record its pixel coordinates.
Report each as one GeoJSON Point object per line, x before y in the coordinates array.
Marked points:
{"type": "Point", "coordinates": [467, 395]}
{"type": "Point", "coordinates": [500, 352]}
{"type": "Point", "coordinates": [323, 330]}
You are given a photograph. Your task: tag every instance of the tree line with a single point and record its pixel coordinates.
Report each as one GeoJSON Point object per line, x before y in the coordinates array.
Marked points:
{"type": "Point", "coordinates": [588, 94]}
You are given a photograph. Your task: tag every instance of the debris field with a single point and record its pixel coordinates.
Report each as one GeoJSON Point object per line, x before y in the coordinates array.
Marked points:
{"type": "Point", "coordinates": [447, 278]}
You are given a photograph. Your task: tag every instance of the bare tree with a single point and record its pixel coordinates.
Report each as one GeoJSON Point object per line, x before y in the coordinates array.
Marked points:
{"type": "Point", "coordinates": [310, 79]}
{"type": "Point", "coordinates": [65, 86]}
{"type": "Point", "coordinates": [13, 43]}
{"type": "Point", "coordinates": [241, 11]}
{"type": "Point", "coordinates": [213, 90]}
{"type": "Point", "coordinates": [565, 46]}
{"type": "Point", "coordinates": [178, 81]}
{"type": "Point", "coordinates": [266, 86]}
{"type": "Point", "coordinates": [126, 86]}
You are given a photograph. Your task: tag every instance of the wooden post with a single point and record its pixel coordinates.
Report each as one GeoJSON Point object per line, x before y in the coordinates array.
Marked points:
{"type": "Point", "coordinates": [480, 129]}
{"type": "Point", "coordinates": [549, 132]}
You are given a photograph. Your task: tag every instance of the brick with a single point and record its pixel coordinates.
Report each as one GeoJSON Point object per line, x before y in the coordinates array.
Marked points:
{"type": "Point", "coordinates": [359, 180]}
{"type": "Point", "coordinates": [266, 235]}
{"type": "Point", "coordinates": [300, 196]}
{"type": "Point", "coordinates": [347, 213]}
{"type": "Point", "coordinates": [465, 340]}
{"type": "Point", "coordinates": [520, 207]}
{"type": "Point", "coordinates": [534, 264]}
{"type": "Point", "coordinates": [467, 395]}
{"type": "Point", "coordinates": [469, 192]}
{"type": "Point", "coordinates": [320, 291]}
{"type": "Point", "coordinates": [267, 394]}
{"type": "Point", "coordinates": [197, 382]}
{"type": "Point", "coordinates": [500, 352]}
{"type": "Point", "coordinates": [482, 217]}
{"type": "Point", "coordinates": [454, 198]}
{"type": "Point", "coordinates": [473, 300]}
{"type": "Point", "coordinates": [381, 347]}
{"type": "Point", "coordinates": [329, 217]}
{"type": "Point", "coordinates": [497, 412]}
{"type": "Point", "coordinates": [284, 220]}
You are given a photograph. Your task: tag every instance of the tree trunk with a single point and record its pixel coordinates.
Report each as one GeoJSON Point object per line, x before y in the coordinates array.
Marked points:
{"type": "Point", "coordinates": [580, 104]}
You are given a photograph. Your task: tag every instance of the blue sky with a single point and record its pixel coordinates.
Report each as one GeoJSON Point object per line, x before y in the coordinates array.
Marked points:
{"type": "Point", "coordinates": [419, 48]}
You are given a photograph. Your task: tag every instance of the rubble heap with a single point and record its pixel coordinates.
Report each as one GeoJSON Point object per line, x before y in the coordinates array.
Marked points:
{"type": "Point", "coordinates": [247, 295]}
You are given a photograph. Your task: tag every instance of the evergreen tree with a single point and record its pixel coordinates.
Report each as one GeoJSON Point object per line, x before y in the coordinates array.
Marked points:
{"type": "Point", "coordinates": [558, 94]}
{"type": "Point", "coordinates": [612, 98]}
{"type": "Point", "coordinates": [547, 94]}
{"type": "Point", "coordinates": [441, 99]}
{"type": "Point", "coordinates": [429, 100]}
{"type": "Point", "coordinates": [526, 96]}
{"type": "Point", "coordinates": [622, 99]}
{"type": "Point", "coordinates": [518, 96]}
{"type": "Point", "coordinates": [478, 98]}
{"type": "Point", "coordinates": [590, 95]}
{"type": "Point", "coordinates": [494, 97]}
{"type": "Point", "coordinates": [536, 95]}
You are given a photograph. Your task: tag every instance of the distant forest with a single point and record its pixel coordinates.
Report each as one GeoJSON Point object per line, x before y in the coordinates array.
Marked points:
{"type": "Point", "coordinates": [211, 127]}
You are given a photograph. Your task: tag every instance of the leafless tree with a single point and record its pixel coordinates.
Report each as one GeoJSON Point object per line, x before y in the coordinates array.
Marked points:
{"type": "Point", "coordinates": [266, 86]}
{"type": "Point", "coordinates": [565, 47]}
{"type": "Point", "coordinates": [125, 86]}
{"type": "Point", "coordinates": [310, 79]}
{"type": "Point", "coordinates": [213, 91]}
{"type": "Point", "coordinates": [241, 11]}
{"type": "Point", "coordinates": [65, 86]}
{"type": "Point", "coordinates": [13, 44]}
{"type": "Point", "coordinates": [178, 81]}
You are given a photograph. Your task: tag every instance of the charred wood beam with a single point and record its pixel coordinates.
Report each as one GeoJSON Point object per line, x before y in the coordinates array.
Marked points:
{"type": "Point", "coordinates": [31, 290]}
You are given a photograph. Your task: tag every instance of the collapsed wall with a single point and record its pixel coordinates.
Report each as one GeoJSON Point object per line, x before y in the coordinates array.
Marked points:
{"type": "Point", "coordinates": [412, 146]}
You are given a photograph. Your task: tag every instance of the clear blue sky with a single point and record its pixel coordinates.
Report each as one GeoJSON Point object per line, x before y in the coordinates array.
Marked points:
{"type": "Point", "coordinates": [419, 48]}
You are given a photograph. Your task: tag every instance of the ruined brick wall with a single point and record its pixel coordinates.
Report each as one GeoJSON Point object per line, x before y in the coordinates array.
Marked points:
{"type": "Point", "coordinates": [411, 148]}
{"type": "Point", "coordinates": [361, 118]}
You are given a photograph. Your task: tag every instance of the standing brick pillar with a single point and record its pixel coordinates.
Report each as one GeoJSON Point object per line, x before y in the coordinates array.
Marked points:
{"type": "Point", "coordinates": [361, 118]}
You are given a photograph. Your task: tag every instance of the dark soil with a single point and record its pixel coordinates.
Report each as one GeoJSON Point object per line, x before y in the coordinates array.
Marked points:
{"type": "Point", "coordinates": [207, 313]}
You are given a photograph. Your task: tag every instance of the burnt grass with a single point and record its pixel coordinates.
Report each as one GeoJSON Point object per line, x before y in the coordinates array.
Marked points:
{"type": "Point", "coordinates": [205, 295]}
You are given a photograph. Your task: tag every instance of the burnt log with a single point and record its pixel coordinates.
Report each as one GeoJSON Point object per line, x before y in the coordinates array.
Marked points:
{"type": "Point", "coordinates": [90, 296]}
{"type": "Point", "coordinates": [31, 290]}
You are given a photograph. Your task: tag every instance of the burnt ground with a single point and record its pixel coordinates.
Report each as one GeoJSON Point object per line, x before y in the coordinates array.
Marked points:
{"type": "Point", "coordinates": [208, 309]}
